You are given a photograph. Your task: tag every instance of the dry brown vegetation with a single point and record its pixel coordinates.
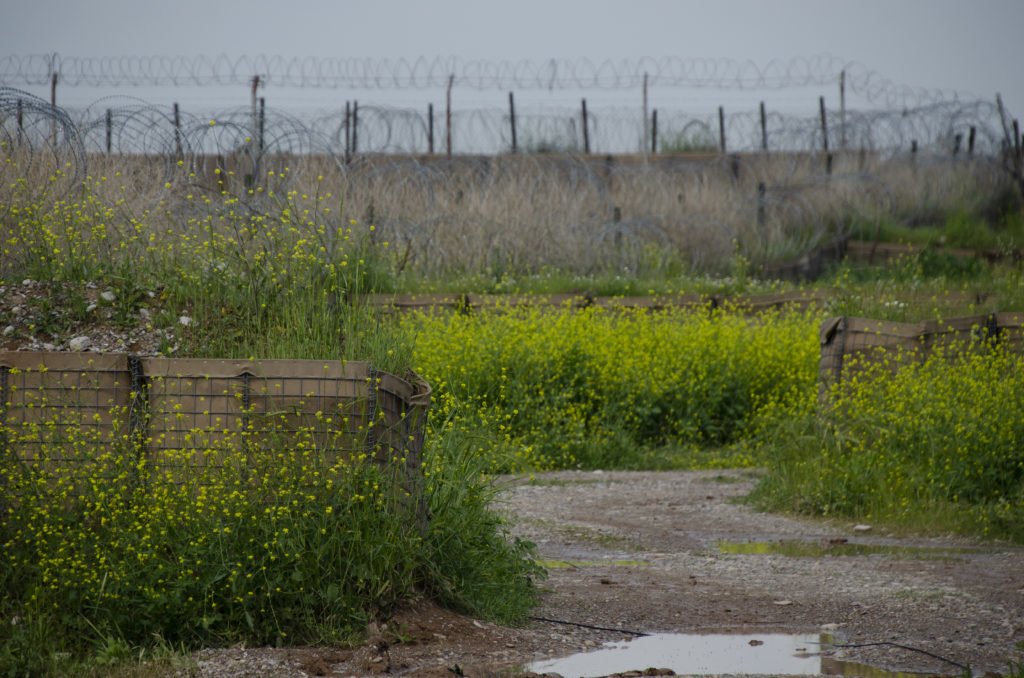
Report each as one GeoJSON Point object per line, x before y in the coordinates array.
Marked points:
{"type": "Point", "coordinates": [507, 215]}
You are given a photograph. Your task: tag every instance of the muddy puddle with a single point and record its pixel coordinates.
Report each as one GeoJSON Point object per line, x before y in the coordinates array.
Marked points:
{"type": "Point", "coordinates": [715, 654]}
{"type": "Point", "coordinates": [796, 548]}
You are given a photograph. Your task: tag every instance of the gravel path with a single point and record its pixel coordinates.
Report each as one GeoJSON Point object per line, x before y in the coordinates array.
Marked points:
{"type": "Point", "coordinates": [650, 552]}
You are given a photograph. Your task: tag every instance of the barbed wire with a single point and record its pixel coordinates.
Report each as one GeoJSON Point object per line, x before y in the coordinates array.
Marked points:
{"type": "Point", "coordinates": [42, 133]}
{"type": "Point", "coordinates": [388, 149]}
{"type": "Point", "coordinates": [479, 74]}
{"type": "Point", "coordinates": [129, 125]}
{"type": "Point", "coordinates": [484, 208]}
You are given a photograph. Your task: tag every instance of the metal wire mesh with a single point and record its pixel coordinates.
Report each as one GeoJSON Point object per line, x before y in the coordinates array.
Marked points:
{"type": "Point", "coordinates": [849, 345]}
{"type": "Point", "coordinates": [64, 410]}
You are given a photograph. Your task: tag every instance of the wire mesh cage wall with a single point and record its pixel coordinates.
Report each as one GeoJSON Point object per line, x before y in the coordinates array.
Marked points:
{"type": "Point", "coordinates": [849, 345]}
{"type": "Point", "coordinates": [181, 417]}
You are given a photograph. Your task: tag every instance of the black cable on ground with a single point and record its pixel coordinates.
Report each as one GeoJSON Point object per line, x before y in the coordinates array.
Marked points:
{"type": "Point", "coordinates": [590, 626]}
{"type": "Point", "coordinates": [902, 647]}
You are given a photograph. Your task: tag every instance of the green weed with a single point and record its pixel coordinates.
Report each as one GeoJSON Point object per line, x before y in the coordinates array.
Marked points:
{"type": "Point", "coordinates": [934, 445]}
{"type": "Point", "coordinates": [563, 388]}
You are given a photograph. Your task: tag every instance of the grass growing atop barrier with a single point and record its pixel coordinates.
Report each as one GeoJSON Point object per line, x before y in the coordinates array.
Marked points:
{"type": "Point", "coordinates": [960, 228]}
{"type": "Point", "coordinates": [270, 274]}
{"type": "Point", "coordinates": [926, 286]}
{"type": "Point", "coordinates": [935, 445]}
{"type": "Point", "coordinates": [562, 388]}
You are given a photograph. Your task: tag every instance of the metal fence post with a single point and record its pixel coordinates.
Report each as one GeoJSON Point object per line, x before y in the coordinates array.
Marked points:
{"type": "Point", "coordinates": [371, 407]}
{"type": "Point", "coordinates": [138, 410]}
{"type": "Point", "coordinates": [4, 376]}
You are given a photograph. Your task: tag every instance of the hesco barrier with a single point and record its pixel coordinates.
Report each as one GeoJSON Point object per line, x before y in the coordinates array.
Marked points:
{"type": "Point", "coordinates": [58, 409]}
{"type": "Point", "coordinates": [847, 342]}
{"type": "Point", "coordinates": [872, 252]}
{"type": "Point", "coordinates": [475, 302]}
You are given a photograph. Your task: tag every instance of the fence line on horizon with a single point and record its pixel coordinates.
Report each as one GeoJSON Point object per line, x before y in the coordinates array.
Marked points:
{"type": "Point", "coordinates": [561, 168]}
{"type": "Point", "coordinates": [867, 112]}
{"type": "Point", "coordinates": [134, 126]}
{"type": "Point", "coordinates": [480, 74]}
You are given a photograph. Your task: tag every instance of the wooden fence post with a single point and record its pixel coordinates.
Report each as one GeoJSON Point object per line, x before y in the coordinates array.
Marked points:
{"type": "Point", "coordinates": [647, 128]}
{"type": "Point", "coordinates": [20, 115]}
{"type": "Point", "coordinates": [254, 105]}
{"type": "Point", "coordinates": [842, 109]}
{"type": "Point", "coordinates": [348, 132]}
{"type": "Point", "coordinates": [53, 102]}
{"type": "Point", "coordinates": [261, 139]}
{"type": "Point", "coordinates": [824, 136]}
{"type": "Point", "coordinates": [1002, 118]}
{"type": "Point", "coordinates": [764, 129]}
{"type": "Point", "coordinates": [824, 124]}
{"type": "Point", "coordinates": [586, 130]}
{"type": "Point", "coordinates": [177, 131]}
{"type": "Point", "coordinates": [1018, 155]}
{"type": "Point", "coordinates": [654, 131]}
{"type": "Point", "coordinates": [355, 128]}
{"type": "Point", "coordinates": [721, 129]}
{"type": "Point", "coordinates": [430, 129]}
{"type": "Point", "coordinates": [761, 191]}
{"type": "Point", "coordinates": [512, 120]}
{"type": "Point", "coordinates": [1017, 143]}
{"type": "Point", "coordinates": [448, 115]}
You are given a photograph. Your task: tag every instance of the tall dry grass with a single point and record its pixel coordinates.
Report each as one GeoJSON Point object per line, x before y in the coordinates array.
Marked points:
{"type": "Point", "coordinates": [580, 214]}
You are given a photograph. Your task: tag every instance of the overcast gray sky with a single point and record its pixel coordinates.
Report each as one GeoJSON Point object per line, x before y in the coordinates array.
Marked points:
{"type": "Point", "coordinates": [975, 48]}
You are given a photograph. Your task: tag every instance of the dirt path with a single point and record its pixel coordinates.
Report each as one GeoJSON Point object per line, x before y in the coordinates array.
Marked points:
{"type": "Point", "coordinates": [644, 552]}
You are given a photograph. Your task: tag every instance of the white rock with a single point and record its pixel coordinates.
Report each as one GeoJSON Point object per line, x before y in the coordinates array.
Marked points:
{"type": "Point", "coordinates": [184, 321]}
{"type": "Point", "coordinates": [861, 528]}
{"type": "Point", "coordinates": [108, 295]}
{"type": "Point", "coordinates": [27, 282]}
{"type": "Point", "coordinates": [49, 347]}
{"type": "Point", "coordinates": [144, 312]}
{"type": "Point", "coordinates": [9, 330]}
{"type": "Point", "coordinates": [90, 308]}
{"type": "Point", "coordinates": [79, 344]}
